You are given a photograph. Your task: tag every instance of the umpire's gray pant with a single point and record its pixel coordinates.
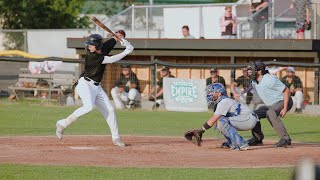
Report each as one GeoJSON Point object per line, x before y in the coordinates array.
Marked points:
{"type": "Point", "coordinates": [272, 114]}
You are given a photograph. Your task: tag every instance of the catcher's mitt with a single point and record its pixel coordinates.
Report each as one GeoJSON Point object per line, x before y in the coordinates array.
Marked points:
{"type": "Point", "coordinates": [194, 136]}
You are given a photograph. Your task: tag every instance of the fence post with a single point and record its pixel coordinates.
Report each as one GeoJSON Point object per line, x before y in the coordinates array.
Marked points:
{"type": "Point", "coordinates": [132, 23]}
{"type": "Point", "coordinates": [233, 71]}
{"type": "Point", "coordinates": [147, 21]}
{"type": "Point", "coordinates": [154, 73]}
{"type": "Point", "coordinates": [316, 82]}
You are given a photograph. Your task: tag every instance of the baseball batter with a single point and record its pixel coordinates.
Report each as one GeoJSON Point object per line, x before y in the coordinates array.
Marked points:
{"type": "Point", "coordinates": [88, 86]}
{"type": "Point", "coordinates": [229, 116]}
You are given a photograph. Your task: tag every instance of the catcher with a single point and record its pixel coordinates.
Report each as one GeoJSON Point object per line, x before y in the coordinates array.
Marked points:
{"type": "Point", "coordinates": [229, 116]}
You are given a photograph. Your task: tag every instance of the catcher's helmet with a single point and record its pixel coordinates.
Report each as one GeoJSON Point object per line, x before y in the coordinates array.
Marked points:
{"type": "Point", "coordinates": [215, 87]}
{"type": "Point", "coordinates": [94, 40]}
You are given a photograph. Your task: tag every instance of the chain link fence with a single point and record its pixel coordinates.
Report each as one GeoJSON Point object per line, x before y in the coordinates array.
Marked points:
{"type": "Point", "coordinates": [150, 21]}
{"type": "Point", "coordinates": [149, 74]}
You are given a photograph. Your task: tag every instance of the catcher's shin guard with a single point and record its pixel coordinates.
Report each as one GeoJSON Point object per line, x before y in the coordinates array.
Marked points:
{"type": "Point", "coordinates": [229, 132]}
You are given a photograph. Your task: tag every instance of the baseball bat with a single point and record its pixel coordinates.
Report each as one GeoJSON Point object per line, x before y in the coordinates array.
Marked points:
{"type": "Point", "coordinates": [99, 23]}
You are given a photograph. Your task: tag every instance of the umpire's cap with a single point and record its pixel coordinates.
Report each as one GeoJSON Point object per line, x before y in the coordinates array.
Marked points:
{"type": "Point", "coordinates": [165, 68]}
{"type": "Point", "coordinates": [125, 66]}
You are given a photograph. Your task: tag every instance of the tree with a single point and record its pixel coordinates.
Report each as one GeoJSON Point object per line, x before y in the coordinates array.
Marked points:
{"type": "Point", "coordinates": [42, 14]}
{"type": "Point", "coordinates": [38, 14]}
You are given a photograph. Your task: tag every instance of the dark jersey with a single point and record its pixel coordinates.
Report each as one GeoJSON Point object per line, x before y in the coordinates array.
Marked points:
{"type": "Point", "coordinates": [244, 81]}
{"type": "Point", "coordinates": [126, 82]}
{"type": "Point", "coordinates": [219, 80]}
{"type": "Point", "coordinates": [93, 68]}
{"type": "Point", "coordinates": [295, 83]}
{"type": "Point", "coordinates": [160, 82]}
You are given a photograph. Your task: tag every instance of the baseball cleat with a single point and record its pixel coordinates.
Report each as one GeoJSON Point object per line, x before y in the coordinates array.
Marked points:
{"type": "Point", "coordinates": [244, 147]}
{"type": "Point", "coordinates": [255, 142]}
{"type": "Point", "coordinates": [119, 143]}
{"type": "Point", "coordinates": [225, 145]}
{"type": "Point", "coordinates": [283, 143]}
{"type": "Point", "coordinates": [59, 130]}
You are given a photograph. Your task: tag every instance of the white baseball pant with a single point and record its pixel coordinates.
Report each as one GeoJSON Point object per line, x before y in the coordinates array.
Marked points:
{"type": "Point", "coordinates": [297, 99]}
{"type": "Point", "coordinates": [119, 98]}
{"type": "Point", "coordinates": [92, 95]}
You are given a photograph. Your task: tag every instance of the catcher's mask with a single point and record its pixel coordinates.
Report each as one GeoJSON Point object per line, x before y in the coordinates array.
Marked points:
{"type": "Point", "coordinates": [94, 40]}
{"type": "Point", "coordinates": [212, 99]}
{"type": "Point", "coordinates": [253, 67]}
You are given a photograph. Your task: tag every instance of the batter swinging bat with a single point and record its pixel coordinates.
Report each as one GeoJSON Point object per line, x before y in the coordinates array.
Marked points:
{"type": "Point", "coordinates": [99, 23]}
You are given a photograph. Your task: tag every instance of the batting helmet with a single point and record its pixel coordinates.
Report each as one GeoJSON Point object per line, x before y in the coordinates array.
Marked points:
{"type": "Point", "coordinates": [215, 87]}
{"type": "Point", "coordinates": [94, 40]}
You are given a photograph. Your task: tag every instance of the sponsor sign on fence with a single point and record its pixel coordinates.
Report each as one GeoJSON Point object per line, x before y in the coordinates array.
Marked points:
{"type": "Point", "coordinates": [184, 94]}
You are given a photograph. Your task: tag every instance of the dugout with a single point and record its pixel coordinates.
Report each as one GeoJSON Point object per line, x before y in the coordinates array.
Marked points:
{"type": "Point", "coordinates": [302, 54]}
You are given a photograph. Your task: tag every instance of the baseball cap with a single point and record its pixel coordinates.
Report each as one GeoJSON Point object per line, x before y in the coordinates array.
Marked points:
{"type": "Point", "coordinates": [290, 69]}
{"type": "Point", "coordinates": [121, 32]}
{"type": "Point", "coordinates": [213, 70]}
{"type": "Point", "coordinates": [125, 66]}
{"type": "Point", "coordinates": [165, 68]}
{"type": "Point", "coordinates": [260, 66]}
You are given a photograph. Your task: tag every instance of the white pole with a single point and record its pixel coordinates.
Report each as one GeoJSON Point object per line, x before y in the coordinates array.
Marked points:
{"type": "Point", "coordinates": [132, 23]}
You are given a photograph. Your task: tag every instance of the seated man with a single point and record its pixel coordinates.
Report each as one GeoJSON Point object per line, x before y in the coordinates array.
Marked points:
{"type": "Point", "coordinates": [126, 92]}
{"type": "Point", "coordinates": [248, 94]}
{"type": "Point", "coordinates": [215, 78]}
{"type": "Point", "coordinates": [229, 116]}
{"type": "Point", "coordinates": [294, 84]}
{"type": "Point", "coordinates": [156, 93]}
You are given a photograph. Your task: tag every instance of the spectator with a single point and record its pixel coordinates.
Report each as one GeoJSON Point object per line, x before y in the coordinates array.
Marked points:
{"type": "Point", "coordinates": [302, 16]}
{"type": "Point", "coordinates": [248, 95]}
{"type": "Point", "coordinates": [215, 78]}
{"type": "Point", "coordinates": [294, 84]}
{"type": "Point", "coordinates": [228, 24]}
{"type": "Point", "coordinates": [156, 93]}
{"type": "Point", "coordinates": [243, 81]}
{"type": "Point", "coordinates": [121, 34]}
{"type": "Point", "coordinates": [260, 19]}
{"type": "Point", "coordinates": [126, 92]}
{"type": "Point", "coordinates": [186, 32]}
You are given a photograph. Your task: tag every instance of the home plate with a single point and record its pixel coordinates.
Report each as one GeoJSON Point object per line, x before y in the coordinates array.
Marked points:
{"type": "Point", "coordinates": [82, 147]}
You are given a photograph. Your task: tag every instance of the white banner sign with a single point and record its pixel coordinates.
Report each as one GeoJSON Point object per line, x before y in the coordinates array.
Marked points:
{"type": "Point", "coordinates": [184, 94]}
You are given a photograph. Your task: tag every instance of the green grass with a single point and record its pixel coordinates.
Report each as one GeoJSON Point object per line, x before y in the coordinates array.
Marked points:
{"type": "Point", "coordinates": [68, 172]}
{"type": "Point", "coordinates": [30, 119]}
{"type": "Point", "coordinates": [33, 119]}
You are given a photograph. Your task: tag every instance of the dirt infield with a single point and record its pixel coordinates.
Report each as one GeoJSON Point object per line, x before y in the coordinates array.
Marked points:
{"type": "Point", "coordinates": [146, 152]}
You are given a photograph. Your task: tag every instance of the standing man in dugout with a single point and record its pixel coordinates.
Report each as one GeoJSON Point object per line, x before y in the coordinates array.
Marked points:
{"type": "Point", "coordinates": [277, 100]}
{"type": "Point", "coordinates": [126, 91]}
{"type": "Point", "coordinates": [294, 84]}
{"type": "Point", "coordinates": [215, 78]}
{"type": "Point", "coordinates": [156, 93]}
{"type": "Point", "coordinates": [260, 19]}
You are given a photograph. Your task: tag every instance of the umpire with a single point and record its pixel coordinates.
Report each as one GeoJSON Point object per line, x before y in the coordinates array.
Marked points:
{"type": "Point", "coordinates": [277, 100]}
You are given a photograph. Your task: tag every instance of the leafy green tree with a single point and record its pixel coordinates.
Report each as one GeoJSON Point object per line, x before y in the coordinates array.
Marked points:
{"type": "Point", "coordinates": [38, 14]}
{"type": "Point", "coordinates": [42, 14]}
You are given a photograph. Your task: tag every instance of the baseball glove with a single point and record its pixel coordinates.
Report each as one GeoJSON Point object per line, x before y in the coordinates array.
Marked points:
{"type": "Point", "coordinates": [194, 136]}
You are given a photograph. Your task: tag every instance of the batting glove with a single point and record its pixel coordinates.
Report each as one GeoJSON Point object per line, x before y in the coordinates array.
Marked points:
{"type": "Point", "coordinates": [129, 49]}
{"type": "Point", "coordinates": [124, 42]}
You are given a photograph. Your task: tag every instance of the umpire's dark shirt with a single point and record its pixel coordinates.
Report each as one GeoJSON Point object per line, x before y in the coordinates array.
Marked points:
{"type": "Point", "coordinates": [93, 68]}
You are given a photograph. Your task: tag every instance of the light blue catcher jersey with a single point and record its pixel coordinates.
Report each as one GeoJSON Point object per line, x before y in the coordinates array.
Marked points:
{"type": "Point", "coordinates": [270, 89]}
{"type": "Point", "coordinates": [229, 105]}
